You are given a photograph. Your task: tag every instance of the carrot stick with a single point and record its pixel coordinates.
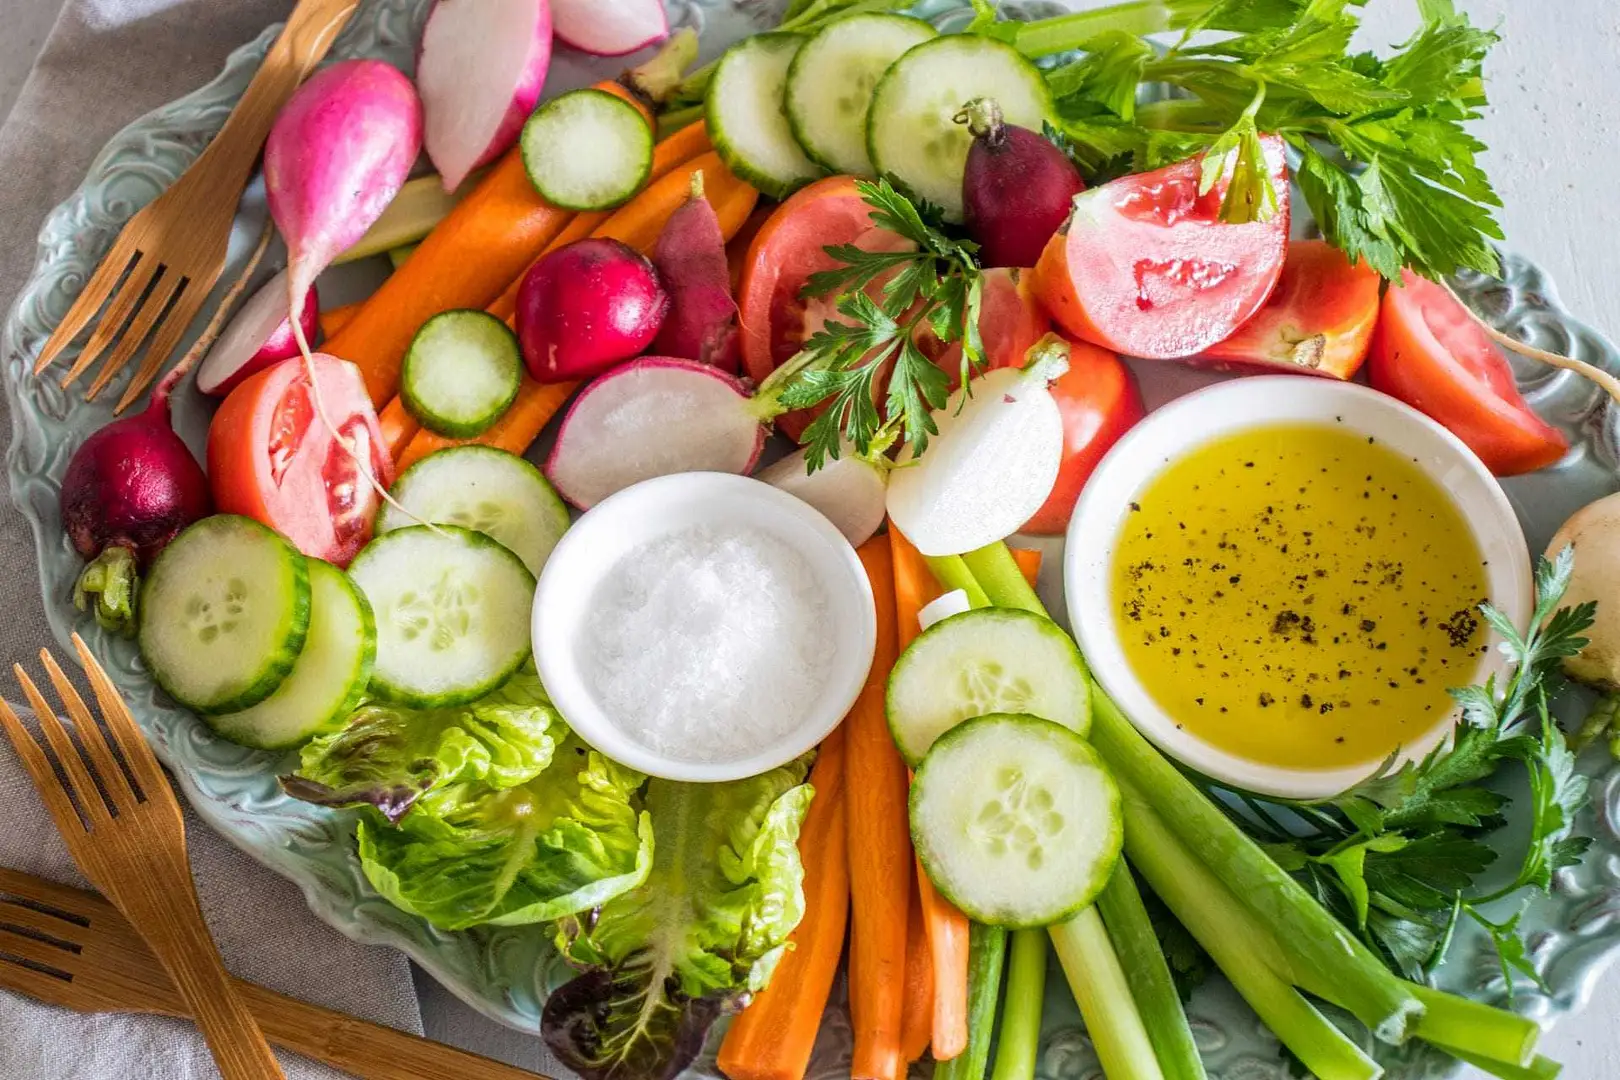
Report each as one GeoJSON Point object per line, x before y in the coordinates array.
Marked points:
{"type": "Point", "coordinates": [398, 426]}
{"type": "Point", "coordinates": [536, 403]}
{"type": "Point", "coordinates": [914, 585]}
{"type": "Point", "coordinates": [880, 857]}
{"type": "Point", "coordinates": [917, 1015]}
{"type": "Point", "coordinates": [1029, 563]}
{"type": "Point", "coordinates": [337, 318]}
{"type": "Point", "coordinates": [772, 1038]}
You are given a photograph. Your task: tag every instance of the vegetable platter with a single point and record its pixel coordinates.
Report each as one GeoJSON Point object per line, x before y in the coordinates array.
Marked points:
{"type": "Point", "coordinates": [508, 971]}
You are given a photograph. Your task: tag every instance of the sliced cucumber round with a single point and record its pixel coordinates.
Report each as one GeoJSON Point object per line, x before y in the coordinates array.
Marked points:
{"type": "Point", "coordinates": [747, 120]}
{"type": "Point", "coordinates": [911, 132]}
{"type": "Point", "coordinates": [452, 610]}
{"type": "Point", "coordinates": [224, 614]}
{"type": "Point", "coordinates": [461, 372]}
{"type": "Point", "coordinates": [829, 85]}
{"type": "Point", "coordinates": [587, 150]}
{"type": "Point", "coordinates": [329, 678]}
{"type": "Point", "coordinates": [988, 660]}
{"type": "Point", "coordinates": [484, 489]}
{"type": "Point", "coordinates": [1016, 820]}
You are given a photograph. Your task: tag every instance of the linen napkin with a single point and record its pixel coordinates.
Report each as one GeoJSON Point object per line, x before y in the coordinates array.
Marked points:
{"type": "Point", "coordinates": [264, 931]}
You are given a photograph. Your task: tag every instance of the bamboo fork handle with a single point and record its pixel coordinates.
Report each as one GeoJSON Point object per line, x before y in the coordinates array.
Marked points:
{"type": "Point", "coordinates": [303, 41]}
{"type": "Point", "coordinates": [370, 1051]}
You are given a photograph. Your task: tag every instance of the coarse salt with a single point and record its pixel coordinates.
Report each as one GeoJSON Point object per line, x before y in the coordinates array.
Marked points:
{"type": "Point", "coordinates": [708, 644]}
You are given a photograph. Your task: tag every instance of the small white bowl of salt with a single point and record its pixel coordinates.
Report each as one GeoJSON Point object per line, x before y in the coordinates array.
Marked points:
{"type": "Point", "coordinates": [703, 627]}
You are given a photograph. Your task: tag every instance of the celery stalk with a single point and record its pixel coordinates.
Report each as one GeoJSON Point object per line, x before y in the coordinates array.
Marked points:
{"type": "Point", "coordinates": [1539, 1068]}
{"type": "Point", "coordinates": [1149, 977]}
{"type": "Point", "coordinates": [1449, 1021]}
{"type": "Point", "coordinates": [1019, 1041]}
{"type": "Point", "coordinates": [1104, 996]}
{"type": "Point", "coordinates": [952, 573]}
{"type": "Point", "coordinates": [997, 574]}
{"type": "Point", "coordinates": [987, 951]}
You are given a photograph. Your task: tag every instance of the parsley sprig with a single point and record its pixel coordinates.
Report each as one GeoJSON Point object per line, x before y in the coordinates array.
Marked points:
{"type": "Point", "coordinates": [886, 301]}
{"type": "Point", "coordinates": [1385, 160]}
{"type": "Point", "coordinates": [1400, 857]}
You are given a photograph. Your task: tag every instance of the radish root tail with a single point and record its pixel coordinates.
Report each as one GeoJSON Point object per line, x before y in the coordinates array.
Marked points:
{"type": "Point", "coordinates": [1593, 374]}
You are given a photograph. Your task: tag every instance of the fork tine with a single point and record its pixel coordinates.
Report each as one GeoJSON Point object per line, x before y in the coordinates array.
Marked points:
{"type": "Point", "coordinates": [126, 735]}
{"type": "Point", "coordinates": [35, 983]}
{"type": "Point", "coordinates": [37, 764]}
{"type": "Point", "coordinates": [63, 935]}
{"type": "Point", "coordinates": [91, 297]}
{"type": "Point", "coordinates": [122, 306]}
{"type": "Point", "coordinates": [167, 290]}
{"type": "Point", "coordinates": [163, 345]}
{"type": "Point", "coordinates": [67, 902]}
{"type": "Point", "coordinates": [113, 781]}
{"type": "Point", "coordinates": [67, 755]}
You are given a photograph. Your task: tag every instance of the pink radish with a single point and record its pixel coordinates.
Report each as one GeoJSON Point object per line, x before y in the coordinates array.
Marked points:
{"type": "Point", "coordinates": [586, 307]}
{"type": "Point", "coordinates": [259, 335]}
{"type": "Point", "coordinates": [481, 69]}
{"type": "Point", "coordinates": [610, 27]}
{"type": "Point", "coordinates": [993, 463]}
{"type": "Point", "coordinates": [849, 492]}
{"type": "Point", "coordinates": [338, 153]}
{"type": "Point", "coordinates": [653, 417]}
{"type": "Point", "coordinates": [1017, 188]}
{"type": "Point", "coordinates": [691, 260]}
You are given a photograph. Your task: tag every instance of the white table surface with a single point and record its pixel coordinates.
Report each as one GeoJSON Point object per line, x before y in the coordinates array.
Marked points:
{"type": "Point", "coordinates": [1554, 134]}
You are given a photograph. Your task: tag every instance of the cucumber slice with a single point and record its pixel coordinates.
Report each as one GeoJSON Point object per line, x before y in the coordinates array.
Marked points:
{"type": "Point", "coordinates": [461, 372]}
{"type": "Point", "coordinates": [1016, 820]}
{"type": "Point", "coordinates": [329, 678]}
{"type": "Point", "coordinates": [829, 85]}
{"type": "Point", "coordinates": [452, 611]}
{"type": "Point", "coordinates": [484, 489]}
{"type": "Point", "coordinates": [587, 150]}
{"type": "Point", "coordinates": [982, 661]}
{"type": "Point", "coordinates": [911, 131]}
{"type": "Point", "coordinates": [747, 120]}
{"type": "Point", "coordinates": [224, 614]}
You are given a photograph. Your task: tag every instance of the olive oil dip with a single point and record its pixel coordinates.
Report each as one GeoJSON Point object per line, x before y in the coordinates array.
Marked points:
{"type": "Point", "coordinates": [1299, 595]}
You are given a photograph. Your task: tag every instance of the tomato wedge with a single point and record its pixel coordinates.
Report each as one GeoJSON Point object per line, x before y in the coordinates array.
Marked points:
{"type": "Point", "coordinates": [271, 458]}
{"type": "Point", "coordinates": [1146, 267]}
{"type": "Point", "coordinates": [1428, 352]}
{"type": "Point", "coordinates": [1318, 321]}
{"type": "Point", "coordinates": [1011, 321]}
{"type": "Point", "coordinates": [1099, 401]}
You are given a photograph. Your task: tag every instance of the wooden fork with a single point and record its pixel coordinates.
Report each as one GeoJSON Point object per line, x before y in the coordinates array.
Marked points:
{"type": "Point", "coordinates": [72, 948]}
{"type": "Point", "coordinates": [171, 253]}
{"type": "Point", "coordinates": [126, 833]}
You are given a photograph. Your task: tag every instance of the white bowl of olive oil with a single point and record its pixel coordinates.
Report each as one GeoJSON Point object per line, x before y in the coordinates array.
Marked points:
{"type": "Point", "coordinates": [1278, 579]}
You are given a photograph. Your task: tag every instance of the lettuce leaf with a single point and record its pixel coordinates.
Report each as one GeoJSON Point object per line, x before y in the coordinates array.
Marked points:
{"type": "Point", "coordinates": [665, 960]}
{"type": "Point", "coordinates": [391, 758]}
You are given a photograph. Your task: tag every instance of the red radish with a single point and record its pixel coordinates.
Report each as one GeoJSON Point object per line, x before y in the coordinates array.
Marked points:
{"type": "Point", "coordinates": [993, 463]}
{"type": "Point", "coordinates": [1017, 188]}
{"type": "Point", "coordinates": [129, 489]}
{"type": "Point", "coordinates": [691, 261]}
{"type": "Point", "coordinates": [653, 417]}
{"type": "Point", "coordinates": [481, 69]}
{"type": "Point", "coordinates": [610, 27]}
{"type": "Point", "coordinates": [258, 336]}
{"type": "Point", "coordinates": [586, 307]}
{"type": "Point", "coordinates": [849, 492]}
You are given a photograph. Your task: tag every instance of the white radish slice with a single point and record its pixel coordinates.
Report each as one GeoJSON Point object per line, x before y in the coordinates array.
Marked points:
{"type": "Point", "coordinates": [259, 335]}
{"type": "Point", "coordinates": [610, 27]}
{"type": "Point", "coordinates": [991, 466]}
{"type": "Point", "coordinates": [653, 417]}
{"type": "Point", "coordinates": [849, 492]}
{"type": "Point", "coordinates": [482, 67]}
{"type": "Point", "coordinates": [943, 607]}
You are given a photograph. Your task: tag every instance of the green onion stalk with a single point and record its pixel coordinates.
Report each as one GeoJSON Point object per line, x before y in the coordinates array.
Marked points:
{"type": "Point", "coordinates": [1103, 992]}
{"type": "Point", "coordinates": [1019, 1042]}
{"type": "Point", "coordinates": [987, 954]}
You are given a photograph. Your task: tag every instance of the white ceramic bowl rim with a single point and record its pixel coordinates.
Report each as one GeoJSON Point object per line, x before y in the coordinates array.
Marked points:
{"type": "Point", "coordinates": [653, 508]}
{"type": "Point", "coordinates": [1243, 404]}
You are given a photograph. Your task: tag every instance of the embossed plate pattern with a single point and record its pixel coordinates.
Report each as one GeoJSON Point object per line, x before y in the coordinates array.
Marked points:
{"type": "Point", "coordinates": [506, 973]}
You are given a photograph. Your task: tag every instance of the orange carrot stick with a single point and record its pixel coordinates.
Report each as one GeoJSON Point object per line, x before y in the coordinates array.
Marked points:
{"type": "Point", "coordinates": [914, 585]}
{"type": "Point", "coordinates": [880, 857]}
{"type": "Point", "coordinates": [773, 1036]}
{"type": "Point", "coordinates": [398, 426]}
{"type": "Point", "coordinates": [1029, 563]}
{"type": "Point", "coordinates": [535, 405]}
{"type": "Point", "coordinates": [917, 1015]}
{"type": "Point", "coordinates": [335, 319]}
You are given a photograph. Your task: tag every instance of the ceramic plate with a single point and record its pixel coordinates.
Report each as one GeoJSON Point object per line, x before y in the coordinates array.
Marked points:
{"type": "Point", "coordinates": [506, 973]}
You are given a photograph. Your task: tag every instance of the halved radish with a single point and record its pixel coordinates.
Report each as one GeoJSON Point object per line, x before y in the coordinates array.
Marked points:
{"type": "Point", "coordinates": [1319, 320]}
{"type": "Point", "coordinates": [849, 492]}
{"type": "Point", "coordinates": [653, 417]}
{"type": "Point", "coordinates": [610, 27]}
{"type": "Point", "coordinates": [481, 70]}
{"type": "Point", "coordinates": [993, 462]}
{"type": "Point", "coordinates": [259, 335]}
